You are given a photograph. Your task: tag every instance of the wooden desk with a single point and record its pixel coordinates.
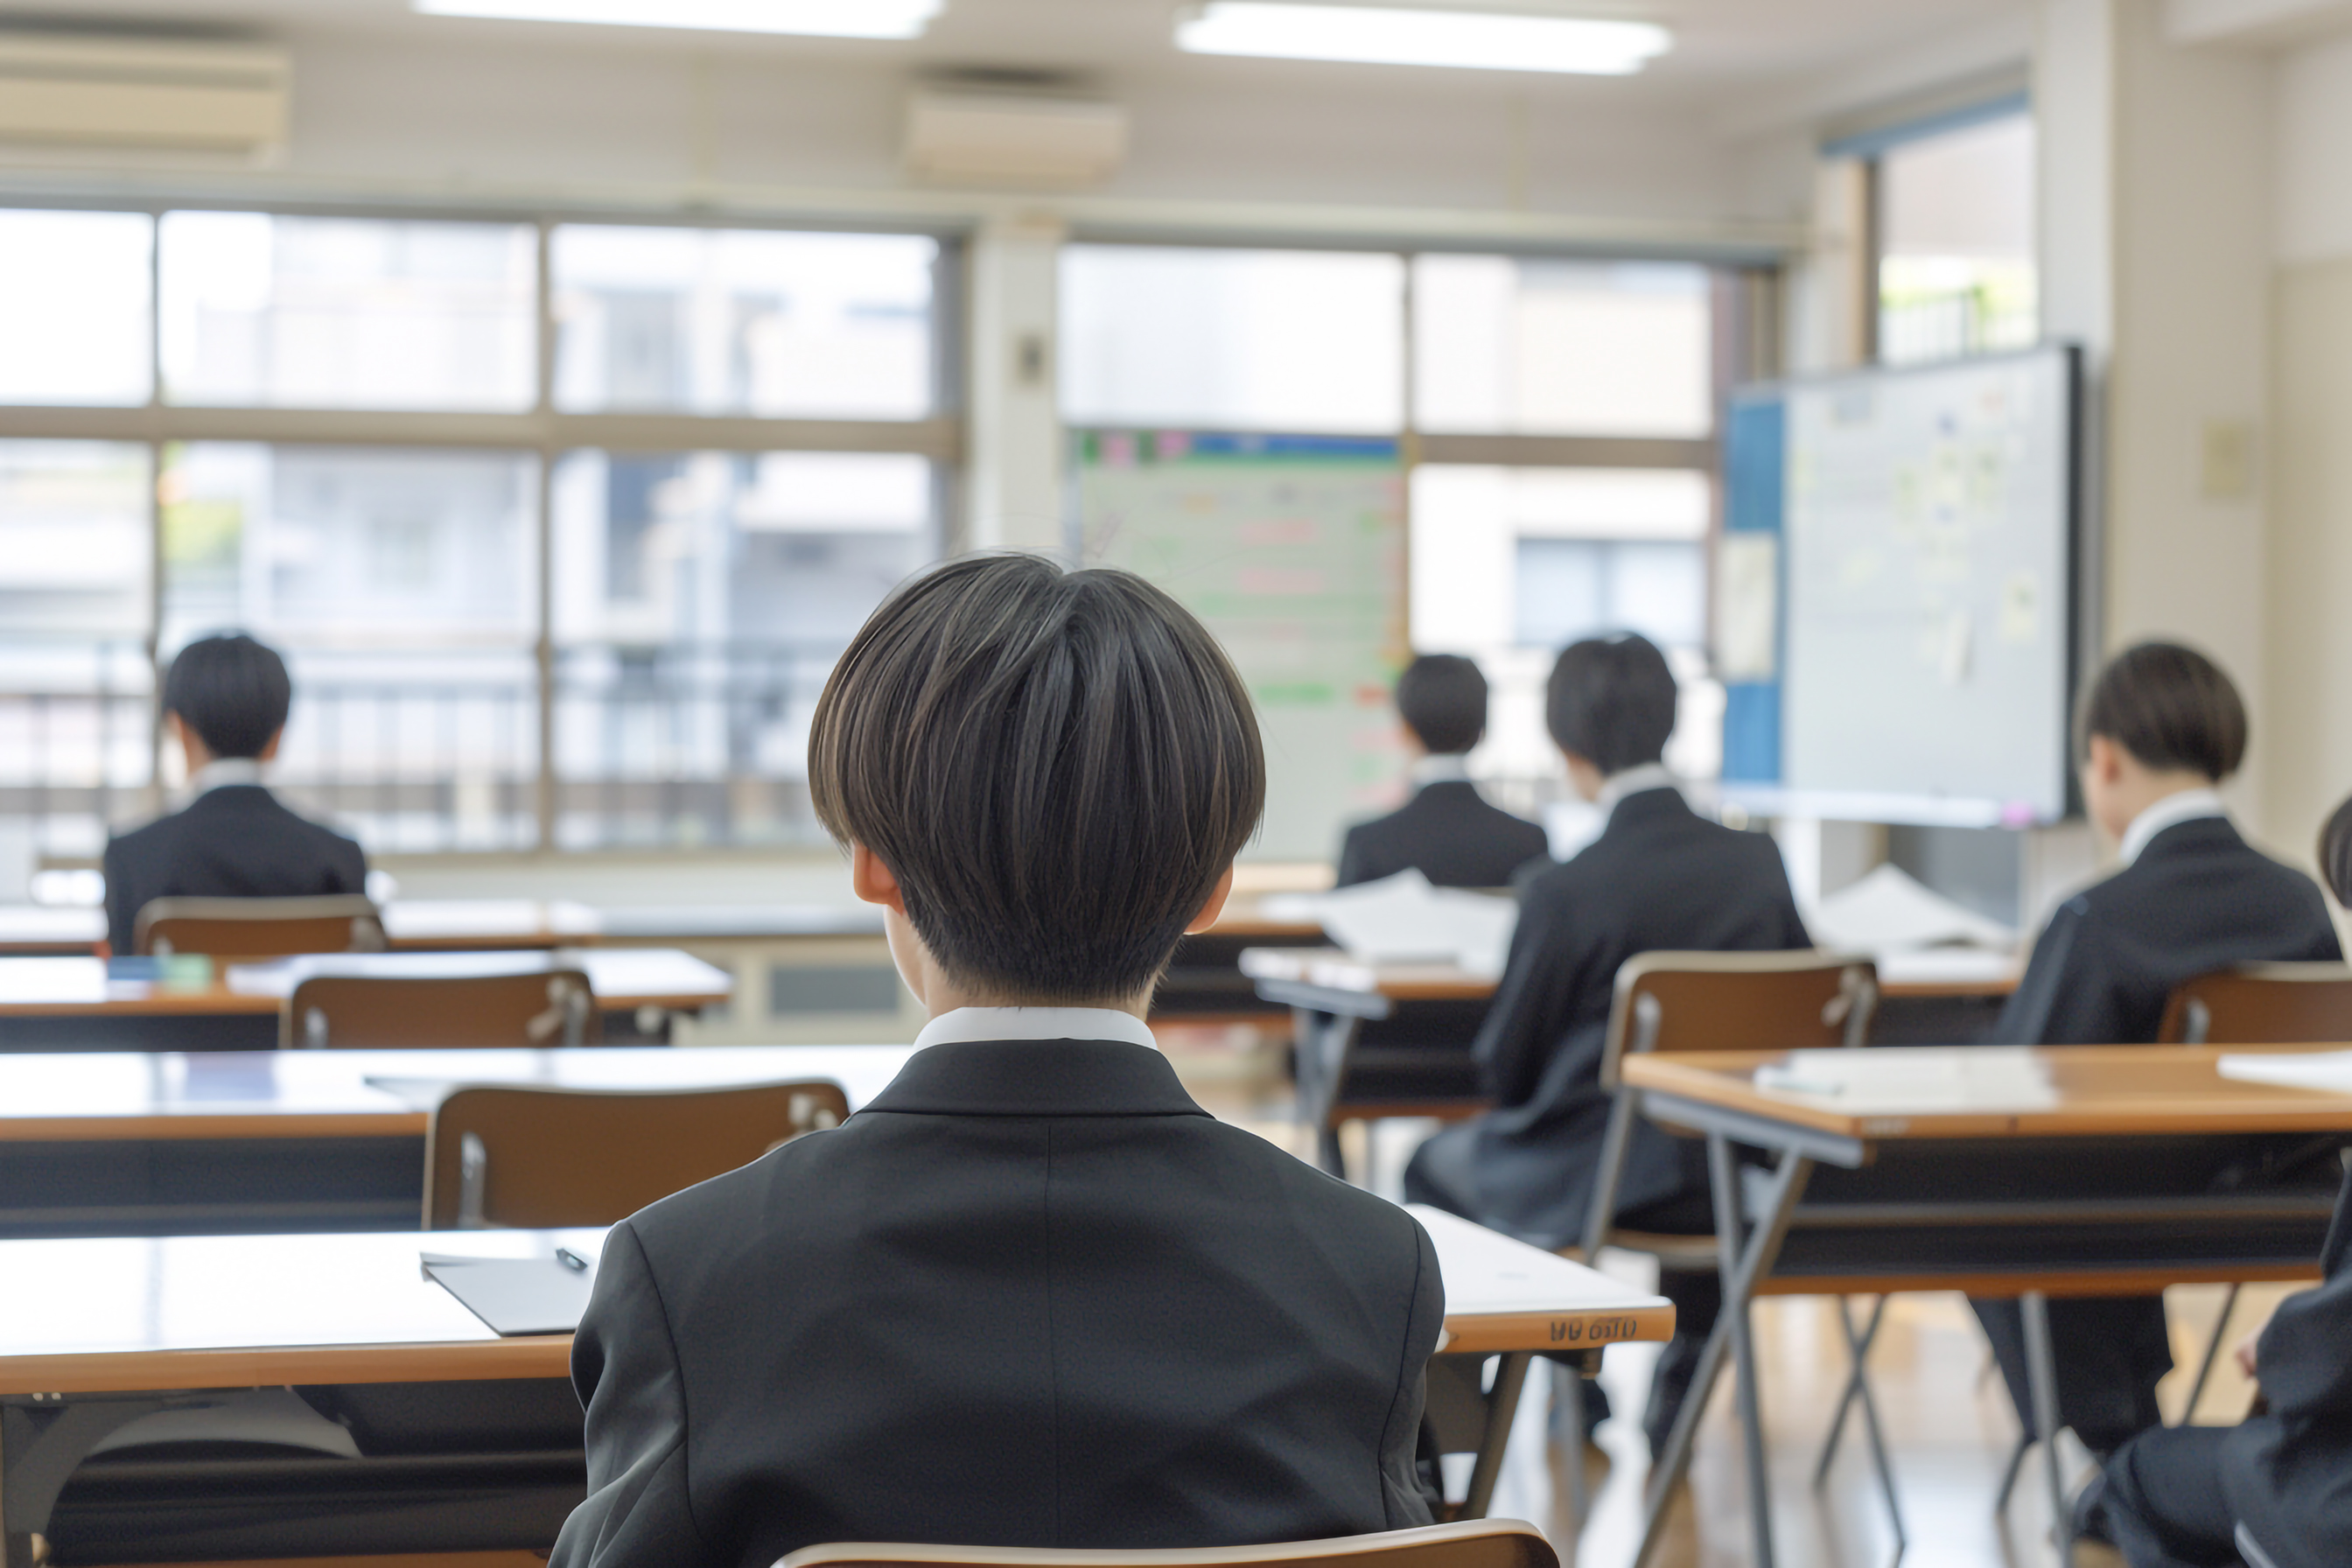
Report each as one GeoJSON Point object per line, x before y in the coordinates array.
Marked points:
{"type": "Point", "coordinates": [182, 1317]}
{"type": "Point", "coordinates": [445, 925]}
{"type": "Point", "coordinates": [35, 931]}
{"type": "Point", "coordinates": [97, 1144]}
{"type": "Point", "coordinates": [2100, 1092]}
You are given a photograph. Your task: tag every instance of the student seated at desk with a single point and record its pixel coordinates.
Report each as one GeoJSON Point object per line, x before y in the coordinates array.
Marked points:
{"type": "Point", "coordinates": [2162, 727]}
{"type": "Point", "coordinates": [1659, 875]}
{"type": "Point", "coordinates": [1032, 1294]}
{"type": "Point", "coordinates": [1447, 831]}
{"type": "Point", "coordinates": [225, 701]}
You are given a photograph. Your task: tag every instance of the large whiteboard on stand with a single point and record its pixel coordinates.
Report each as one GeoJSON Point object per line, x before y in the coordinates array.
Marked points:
{"type": "Point", "coordinates": [1292, 552]}
{"type": "Point", "coordinates": [1930, 523]}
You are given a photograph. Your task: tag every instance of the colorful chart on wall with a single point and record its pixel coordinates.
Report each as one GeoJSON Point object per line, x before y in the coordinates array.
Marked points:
{"type": "Point", "coordinates": [1292, 551]}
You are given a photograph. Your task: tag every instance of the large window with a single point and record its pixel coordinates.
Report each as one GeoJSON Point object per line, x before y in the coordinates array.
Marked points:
{"type": "Point", "coordinates": [579, 592]}
{"type": "Point", "coordinates": [1559, 416]}
{"type": "Point", "coordinates": [1955, 239]}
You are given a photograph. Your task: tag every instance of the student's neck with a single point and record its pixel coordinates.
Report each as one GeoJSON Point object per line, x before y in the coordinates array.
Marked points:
{"type": "Point", "coordinates": [938, 1007]}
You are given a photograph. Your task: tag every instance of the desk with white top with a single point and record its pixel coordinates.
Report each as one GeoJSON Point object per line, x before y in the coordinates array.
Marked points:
{"type": "Point", "coordinates": [121, 1328]}
{"type": "Point", "coordinates": [98, 1144]}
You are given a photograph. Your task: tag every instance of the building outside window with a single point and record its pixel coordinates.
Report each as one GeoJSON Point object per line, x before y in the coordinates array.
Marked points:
{"type": "Point", "coordinates": [1956, 243]}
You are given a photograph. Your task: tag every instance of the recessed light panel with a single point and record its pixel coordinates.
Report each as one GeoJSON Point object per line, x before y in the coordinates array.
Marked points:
{"type": "Point", "coordinates": [1381, 35]}
{"type": "Point", "coordinates": [813, 18]}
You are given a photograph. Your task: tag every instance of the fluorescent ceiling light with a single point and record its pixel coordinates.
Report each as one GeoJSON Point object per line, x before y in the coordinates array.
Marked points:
{"type": "Point", "coordinates": [1379, 35]}
{"type": "Point", "coordinates": [814, 18]}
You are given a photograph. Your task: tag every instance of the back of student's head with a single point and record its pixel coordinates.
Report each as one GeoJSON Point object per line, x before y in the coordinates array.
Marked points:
{"type": "Point", "coordinates": [2171, 708]}
{"type": "Point", "coordinates": [1056, 766]}
{"type": "Point", "coordinates": [232, 691]}
{"type": "Point", "coordinates": [2336, 853]}
{"type": "Point", "coordinates": [1442, 698]}
{"type": "Point", "coordinates": [1611, 700]}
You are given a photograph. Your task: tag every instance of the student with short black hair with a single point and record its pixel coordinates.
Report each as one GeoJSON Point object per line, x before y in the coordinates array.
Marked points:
{"type": "Point", "coordinates": [1030, 1294]}
{"type": "Point", "coordinates": [1659, 875]}
{"type": "Point", "coordinates": [224, 702]}
{"type": "Point", "coordinates": [2160, 727]}
{"type": "Point", "coordinates": [1447, 832]}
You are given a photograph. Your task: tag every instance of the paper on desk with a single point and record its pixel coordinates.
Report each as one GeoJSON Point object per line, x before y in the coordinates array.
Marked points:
{"type": "Point", "coordinates": [2328, 1070]}
{"type": "Point", "coordinates": [1888, 911]}
{"type": "Point", "coordinates": [515, 1295]}
{"type": "Point", "coordinates": [1897, 1081]}
{"type": "Point", "coordinates": [1403, 919]}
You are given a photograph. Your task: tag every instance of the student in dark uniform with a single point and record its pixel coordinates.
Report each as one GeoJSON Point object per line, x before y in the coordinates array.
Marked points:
{"type": "Point", "coordinates": [1659, 875]}
{"type": "Point", "coordinates": [225, 701]}
{"type": "Point", "coordinates": [1447, 832]}
{"type": "Point", "coordinates": [1031, 1295]}
{"type": "Point", "coordinates": [2275, 1491]}
{"type": "Point", "coordinates": [2162, 727]}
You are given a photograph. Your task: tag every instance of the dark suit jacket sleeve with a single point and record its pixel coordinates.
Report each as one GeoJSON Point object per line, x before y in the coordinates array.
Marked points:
{"type": "Point", "coordinates": [1352, 869]}
{"type": "Point", "coordinates": [2058, 1001]}
{"type": "Point", "coordinates": [624, 1367]}
{"type": "Point", "coordinates": [1404, 1501]}
{"type": "Point", "coordinates": [2305, 1357]}
{"type": "Point", "coordinates": [1530, 1015]}
{"type": "Point", "coordinates": [121, 900]}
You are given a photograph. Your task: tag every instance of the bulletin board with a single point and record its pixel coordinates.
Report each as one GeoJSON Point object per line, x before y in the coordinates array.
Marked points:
{"type": "Point", "coordinates": [1292, 551]}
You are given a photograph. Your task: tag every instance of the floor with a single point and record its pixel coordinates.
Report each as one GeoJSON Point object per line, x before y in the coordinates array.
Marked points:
{"type": "Point", "coordinates": [1948, 1423]}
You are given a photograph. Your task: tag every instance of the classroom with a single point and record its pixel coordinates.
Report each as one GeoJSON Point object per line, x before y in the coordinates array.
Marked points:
{"type": "Point", "coordinates": [1173, 784]}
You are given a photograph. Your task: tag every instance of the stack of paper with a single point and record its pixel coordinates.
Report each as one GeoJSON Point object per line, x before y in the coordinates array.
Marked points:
{"type": "Point", "coordinates": [2328, 1070]}
{"type": "Point", "coordinates": [1403, 919]}
{"type": "Point", "coordinates": [1918, 1082]}
{"type": "Point", "coordinates": [1888, 911]}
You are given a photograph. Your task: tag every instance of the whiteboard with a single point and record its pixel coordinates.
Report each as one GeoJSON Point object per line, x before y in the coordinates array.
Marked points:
{"type": "Point", "coordinates": [1292, 552]}
{"type": "Point", "coordinates": [1929, 517]}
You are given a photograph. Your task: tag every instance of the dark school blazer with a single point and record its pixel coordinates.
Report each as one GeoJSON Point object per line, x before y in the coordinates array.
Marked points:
{"type": "Point", "coordinates": [1659, 876]}
{"type": "Point", "coordinates": [1031, 1295]}
{"type": "Point", "coordinates": [2199, 898]}
{"type": "Point", "coordinates": [1448, 833]}
{"type": "Point", "coordinates": [233, 842]}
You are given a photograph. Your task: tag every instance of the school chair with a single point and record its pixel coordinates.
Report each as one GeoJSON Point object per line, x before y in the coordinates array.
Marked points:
{"type": "Point", "coordinates": [532, 1158]}
{"type": "Point", "coordinates": [2254, 1004]}
{"type": "Point", "coordinates": [1807, 999]}
{"type": "Point", "coordinates": [373, 1012]}
{"type": "Point", "coordinates": [1472, 1544]}
{"type": "Point", "coordinates": [258, 928]}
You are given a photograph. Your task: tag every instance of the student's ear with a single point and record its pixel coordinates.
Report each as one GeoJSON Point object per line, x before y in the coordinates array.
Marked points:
{"type": "Point", "coordinates": [2105, 760]}
{"type": "Point", "coordinates": [268, 752]}
{"type": "Point", "coordinates": [1215, 906]}
{"type": "Point", "coordinates": [873, 881]}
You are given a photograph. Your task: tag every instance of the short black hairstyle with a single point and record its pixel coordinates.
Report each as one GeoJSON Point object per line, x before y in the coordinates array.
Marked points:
{"type": "Point", "coordinates": [1611, 700]}
{"type": "Point", "coordinates": [232, 691]}
{"type": "Point", "coordinates": [1057, 766]}
{"type": "Point", "coordinates": [2336, 853]}
{"type": "Point", "coordinates": [2171, 708]}
{"type": "Point", "coordinates": [1442, 698]}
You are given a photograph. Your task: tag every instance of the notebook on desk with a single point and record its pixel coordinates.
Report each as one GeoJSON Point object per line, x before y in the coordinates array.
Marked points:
{"type": "Point", "coordinates": [516, 1295]}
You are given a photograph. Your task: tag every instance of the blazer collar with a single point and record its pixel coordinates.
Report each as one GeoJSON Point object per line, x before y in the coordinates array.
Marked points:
{"type": "Point", "coordinates": [1663, 804]}
{"type": "Point", "coordinates": [2189, 837]}
{"type": "Point", "coordinates": [1036, 1078]}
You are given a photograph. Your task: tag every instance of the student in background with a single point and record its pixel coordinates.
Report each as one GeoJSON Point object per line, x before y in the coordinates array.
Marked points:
{"type": "Point", "coordinates": [225, 701]}
{"type": "Point", "coordinates": [2277, 1489]}
{"type": "Point", "coordinates": [1659, 875]}
{"type": "Point", "coordinates": [2162, 727]}
{"type": "Point", "coordinates": [1447, 832]}
{"type": "Point", "coordinates": [1032, 1294]}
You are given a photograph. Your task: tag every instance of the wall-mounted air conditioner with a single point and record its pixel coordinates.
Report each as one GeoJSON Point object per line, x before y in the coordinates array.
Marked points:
{"type": "Point", "coordinates": [61, 90]}
{"type": "Point", "coordinates": [977, 138]}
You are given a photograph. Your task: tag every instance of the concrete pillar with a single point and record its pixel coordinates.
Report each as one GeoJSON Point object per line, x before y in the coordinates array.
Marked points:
{"type": "Point", "coordinates": [1015, 466]}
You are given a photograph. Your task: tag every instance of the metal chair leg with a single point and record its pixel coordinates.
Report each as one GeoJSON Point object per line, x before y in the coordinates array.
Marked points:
{"type": "Point", "coordinates": [1857, 1392]}
{"type": "Point", "coordinates": [2016, 1469]}
{"type": "Point", "coordinates": [2041, 1378]}
{"type": "Point", "coordinates": [2213, 1352]}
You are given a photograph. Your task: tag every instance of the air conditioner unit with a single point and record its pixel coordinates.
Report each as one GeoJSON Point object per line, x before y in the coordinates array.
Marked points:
{"type": "Point", "coordinates": [141, 92]}
{"type": "Point", "coordinates": [1009, 138]}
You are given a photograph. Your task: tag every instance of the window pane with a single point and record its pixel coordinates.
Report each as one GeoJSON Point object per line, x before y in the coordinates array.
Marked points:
{"type": "Point", "coordinates": [74, 672]}
{"type": "Point", "coordinates": [744, 322]}
{"type": "Point", "coordinates": [1561, 348]}
{"type": "Point", "coordinates": [1955, 273]}
{"type": "Point", "coordinates": [75, 307]}
{"type": "Point", "coordinates": [349, 312]}
{"type": "Point", "coordinates": [700, 601]}
{"type": "Point", "coordinates": [401, 588]}
{"type": "Point", "coordinates": [1307, 341]}
{"type": "Point", "coordinates": [1571, 588]}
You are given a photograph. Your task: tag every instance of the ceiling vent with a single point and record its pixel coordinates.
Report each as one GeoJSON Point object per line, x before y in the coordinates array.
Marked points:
{"type": "Point", "coordinates": [61, 90]}
{"type": "Point", "coordinates": [1004, 139]}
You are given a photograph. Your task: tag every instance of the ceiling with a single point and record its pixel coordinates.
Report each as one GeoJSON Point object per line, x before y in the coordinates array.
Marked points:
{"type": "Point", "coordinates": [1739, 47]}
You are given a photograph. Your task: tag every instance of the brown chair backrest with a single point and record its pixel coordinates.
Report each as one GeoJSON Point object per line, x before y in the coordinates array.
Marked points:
{"type": "Point", "coordinates": [1471, 1544]}
{"type": "Point", "coordinates": [1739, 1002]}
{"type": "Point", "coordinates": [375, 1012]}
{"type": "Point", "coordinates": [537, 1158]}
{"type": "Point", "coordinates": [2261, 1005]}
{"type": "Point", "coordinates": [258, 928]}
